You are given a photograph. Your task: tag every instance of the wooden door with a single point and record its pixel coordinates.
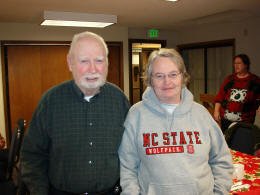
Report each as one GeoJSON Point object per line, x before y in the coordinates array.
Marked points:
{"type": "Point", "coordinates": [33, 69]}
{"type": "Point", "coordinates": [115, 68]}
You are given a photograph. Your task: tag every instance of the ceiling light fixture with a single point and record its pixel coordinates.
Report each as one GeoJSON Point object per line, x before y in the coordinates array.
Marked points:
{"type": "Point", "coordinates": [53, 18]}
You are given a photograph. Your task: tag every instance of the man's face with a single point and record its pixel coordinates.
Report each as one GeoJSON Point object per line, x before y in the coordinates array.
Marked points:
{"type": "Point", "coordinates": [88, 64]}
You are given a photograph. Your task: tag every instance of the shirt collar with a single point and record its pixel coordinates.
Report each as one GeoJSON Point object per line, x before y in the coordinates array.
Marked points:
{"type": "Point", "coordinates": [80, 94]}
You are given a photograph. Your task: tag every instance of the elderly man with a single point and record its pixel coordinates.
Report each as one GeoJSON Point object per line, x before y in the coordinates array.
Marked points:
{"type": "Point", "coordinates": [72, 141]}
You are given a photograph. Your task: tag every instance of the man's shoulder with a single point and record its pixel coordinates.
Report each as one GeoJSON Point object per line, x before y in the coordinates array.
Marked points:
{"type": "Point", "coordinates": [111, 86]}
{"type": "Point", "coordinates": [61, 86]}
{"type": "Point", "coordinates": [113, 93]}
{"type": "Point", "coordinates": [59, 89]}
{"type": "Point", "coordinates": [113, 89]}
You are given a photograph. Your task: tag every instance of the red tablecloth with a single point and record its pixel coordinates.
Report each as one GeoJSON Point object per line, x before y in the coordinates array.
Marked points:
{"type": "Point", "coordinates": [252, 173]}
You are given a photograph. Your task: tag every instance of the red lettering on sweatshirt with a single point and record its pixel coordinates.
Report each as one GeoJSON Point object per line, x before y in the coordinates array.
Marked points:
{"type": "Point", "coordinates": [154, 143]}
{"type": "Point", "coordinates": [146, 139]}
{"type": "Point", "coordinates": [164, 150]}
{"type": "Point", "coordinates": [197, 134]}
{"type": "Point", "coordinates": [174, 134]}
{"type": "Point", "coordinates": [166, 138]}
{"type": "Point", "coordinates": [189, 134]}
{"type": "Point", "coordinates": [171, 142]}
{"type": "Point", "coordinates": [182, 139]}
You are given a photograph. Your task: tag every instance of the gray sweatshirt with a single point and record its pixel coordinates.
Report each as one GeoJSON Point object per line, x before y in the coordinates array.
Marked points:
{"type": "Point", "coordinates": [183, 153]}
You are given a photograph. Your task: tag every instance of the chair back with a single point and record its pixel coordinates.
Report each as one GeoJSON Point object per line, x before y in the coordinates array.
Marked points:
{"type": "Point", "coordinates": [208, 101]}
{"type": "Point", "coordinates": [243, 137]}
{"type": "Point", "coordinates": [14, 151]}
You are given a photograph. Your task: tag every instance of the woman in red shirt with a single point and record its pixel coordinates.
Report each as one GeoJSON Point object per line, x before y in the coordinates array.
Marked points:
{"type": "Point", "coordinates": [239, 95]}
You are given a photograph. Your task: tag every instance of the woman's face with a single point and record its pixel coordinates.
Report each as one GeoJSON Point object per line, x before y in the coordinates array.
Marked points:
{"type": "Point", "coordinates": [239, 66]}
{"type": "Point", "coordinates": [166, 80]}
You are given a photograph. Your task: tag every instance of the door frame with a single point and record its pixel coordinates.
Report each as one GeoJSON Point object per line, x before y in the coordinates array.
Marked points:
{"type": "Point", "coordinates": [130, 43]}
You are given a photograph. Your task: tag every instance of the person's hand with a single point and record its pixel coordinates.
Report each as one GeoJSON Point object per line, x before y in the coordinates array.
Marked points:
{"type": "Point", "coordinates": [258, 110]}
{"type": "Point", "coordinates": [216, 116]}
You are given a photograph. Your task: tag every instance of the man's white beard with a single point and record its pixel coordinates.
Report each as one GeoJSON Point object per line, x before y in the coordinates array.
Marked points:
{"type": "Point", "coordinates": [92, 85]}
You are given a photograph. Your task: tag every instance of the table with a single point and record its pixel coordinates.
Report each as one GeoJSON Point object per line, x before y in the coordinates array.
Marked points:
{"type": "Point", "coordinates": [252, 173]}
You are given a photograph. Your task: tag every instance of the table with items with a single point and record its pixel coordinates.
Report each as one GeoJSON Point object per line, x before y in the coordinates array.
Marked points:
{"type": "Point", "coordinates": [249, 183]}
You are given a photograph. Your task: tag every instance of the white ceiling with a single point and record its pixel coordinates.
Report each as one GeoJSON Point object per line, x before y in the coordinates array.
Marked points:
{"type": "Point", "coordinates": [137, 13]}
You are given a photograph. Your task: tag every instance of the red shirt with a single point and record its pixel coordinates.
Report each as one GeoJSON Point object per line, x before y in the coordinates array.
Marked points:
{"type": "Point", "coordinates": [239, 98]}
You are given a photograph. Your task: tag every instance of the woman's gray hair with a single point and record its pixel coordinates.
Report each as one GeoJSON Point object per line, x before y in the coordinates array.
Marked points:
{"type": "Point", "coordinates": [168, 53]}
{"type": "Point", "coordinates": [87, 34]}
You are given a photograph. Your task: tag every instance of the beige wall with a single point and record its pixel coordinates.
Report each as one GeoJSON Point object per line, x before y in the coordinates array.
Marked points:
{"type": "Point", "coordinates": [170, 36]}
{"type": "Point", "coordinates": [245, 33]}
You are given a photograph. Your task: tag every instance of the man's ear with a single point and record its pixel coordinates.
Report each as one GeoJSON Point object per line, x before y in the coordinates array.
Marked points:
{"type": "Point", "coordinates": [69, 62]}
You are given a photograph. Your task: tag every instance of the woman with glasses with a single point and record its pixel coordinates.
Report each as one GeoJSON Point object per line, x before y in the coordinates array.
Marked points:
{"type": "Point", "coordinates": [239, 95]}
{"type": "Point", "coordinates": [171, 144]}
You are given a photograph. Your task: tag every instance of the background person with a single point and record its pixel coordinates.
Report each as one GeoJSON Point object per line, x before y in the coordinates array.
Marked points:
{"type": "Point", "coordinates": [72, 141]}
{"type": "Point", "coordinates": [239, 95]}
{"type": "Point", "coordinates": [171, 144]}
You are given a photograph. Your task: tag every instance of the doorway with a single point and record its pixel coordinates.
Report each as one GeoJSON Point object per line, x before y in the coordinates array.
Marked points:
{"type": "Point", "coordinates": [139, 51]}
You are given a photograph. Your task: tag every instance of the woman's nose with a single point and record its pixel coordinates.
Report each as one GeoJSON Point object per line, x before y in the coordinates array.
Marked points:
{"type": "Point", "coordinates": [167, 79]}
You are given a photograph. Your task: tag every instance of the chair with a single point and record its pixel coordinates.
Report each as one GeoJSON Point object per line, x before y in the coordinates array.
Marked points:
{"type": "Point", "coordinates": [9, 160]}
{"type": "Point", "coordinates": [243, 137]}
{"type": "Point", "coordinates": [208, 102]}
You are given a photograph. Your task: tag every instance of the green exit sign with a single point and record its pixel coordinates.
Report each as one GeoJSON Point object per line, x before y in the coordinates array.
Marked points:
{"type": "Point", "coordinates": [153, 33]}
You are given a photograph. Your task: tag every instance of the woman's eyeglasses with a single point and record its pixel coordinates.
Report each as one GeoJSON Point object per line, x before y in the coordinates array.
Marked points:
{"type": "Point", "coordinates": [161, 76]}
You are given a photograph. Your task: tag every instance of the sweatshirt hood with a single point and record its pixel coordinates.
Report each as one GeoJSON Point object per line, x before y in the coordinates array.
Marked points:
{"type": "Point", "coordinates": [150, 99]}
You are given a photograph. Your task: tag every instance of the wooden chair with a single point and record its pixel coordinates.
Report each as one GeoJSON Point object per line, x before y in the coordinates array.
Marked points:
{"type": "Point", "coordinates": [207, 100]}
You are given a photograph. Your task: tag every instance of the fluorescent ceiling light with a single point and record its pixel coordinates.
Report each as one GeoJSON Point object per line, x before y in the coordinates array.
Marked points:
{"type": "Point", "coordinates": [52, 18]}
